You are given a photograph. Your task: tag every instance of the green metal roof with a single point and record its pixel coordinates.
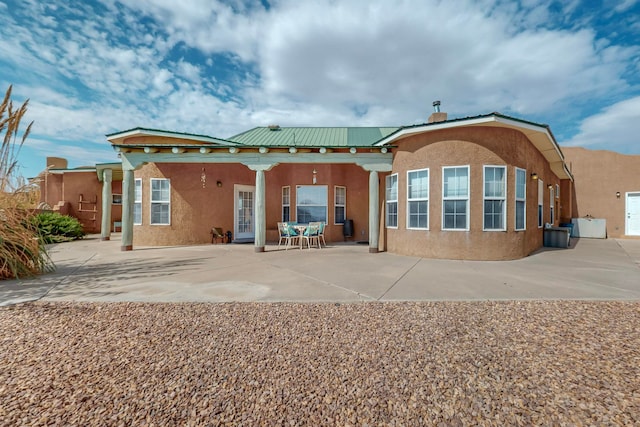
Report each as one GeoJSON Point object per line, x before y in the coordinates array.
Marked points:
{"type": "Point", "coordinates": [313, 136]}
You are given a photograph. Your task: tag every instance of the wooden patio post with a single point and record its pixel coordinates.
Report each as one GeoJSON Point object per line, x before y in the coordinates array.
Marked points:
{"type": "Point", "coordinates": [105, 228]}
{"type": "Point", "coordinates": [374, 211]}
{"type": "Point", "coordinates": [128, 196]}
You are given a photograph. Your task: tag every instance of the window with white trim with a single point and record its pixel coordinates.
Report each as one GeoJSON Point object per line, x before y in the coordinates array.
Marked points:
{"type": "Point", "coordinates": [540, 203]}
{"type": "Point", "coordinates": [455, 198]}
{"type": "Point", "coordinates": [392, 200]}
{"type": "Point", "coordinates": [418, 199]}
{"type": "Point", "coordinates": [286, 203]}
{"type": "Point", "coordinates": [557, 191]}
{"type": "Point", "coordinates": [311, 203]}
{"type": "Point", "coordinates": [160, 201]}
{"type": "Point", "coordinates": [339, 204]}
{"type": "Point", "coordinates": [551, 205]}
{"type": "Point", "coordinates": [495, 198]}
{"type": "Point", "coordinates": [137, 202]}
{"type": "Point", "coordinates": [521, 200]}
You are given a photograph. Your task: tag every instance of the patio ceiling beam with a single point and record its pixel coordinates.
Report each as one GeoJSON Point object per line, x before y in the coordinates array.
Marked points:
{"type": "Point", "coordinates": [369, 161]}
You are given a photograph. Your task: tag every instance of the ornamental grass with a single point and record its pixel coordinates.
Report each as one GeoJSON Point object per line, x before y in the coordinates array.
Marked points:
{"type": "Point", "coordinates": [22, 251]}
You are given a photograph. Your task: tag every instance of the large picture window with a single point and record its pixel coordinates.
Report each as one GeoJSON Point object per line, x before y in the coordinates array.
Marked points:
{"type": "Point", "coordinates": [540, 203]}
{"type": "Point", "coordinates": [552, 217]}
{"type": "Point", "coordinates": [418, 199]}
{"type": "Point", "coordinates": [495, 195]}
{"type": "Point", "coordinates": [392, 200]}
{"type": "Point", "coordinates": [137, 202]}
{"type": "Point", "coordinates": [286, 203]}
{"type": "Point", "coordinates": [160, 201]}
{"type": "Point", "coordinates": [455, 198]}
{"type": "Point", "coordinates": [311, 203]}
{"type": "Point", "coordinates": [340, 204]}
{"type": "Point", "coordinates": [521, 199]}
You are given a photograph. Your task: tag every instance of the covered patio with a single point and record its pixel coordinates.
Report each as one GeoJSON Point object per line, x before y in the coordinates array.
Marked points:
{"type": "Point", "coordinates": [262, 176]}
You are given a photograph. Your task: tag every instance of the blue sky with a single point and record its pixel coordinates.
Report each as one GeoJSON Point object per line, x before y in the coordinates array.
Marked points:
{"type": "Point", "coordinates": [221, 67]}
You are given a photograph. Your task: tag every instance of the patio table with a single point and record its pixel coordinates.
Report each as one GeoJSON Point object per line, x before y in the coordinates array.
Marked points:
{"type": "Point", "coordinates": [300, 228]}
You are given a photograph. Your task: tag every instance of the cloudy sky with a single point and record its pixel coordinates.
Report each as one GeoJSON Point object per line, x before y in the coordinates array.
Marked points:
{"type": "Point", "coordinates": [92, 67]}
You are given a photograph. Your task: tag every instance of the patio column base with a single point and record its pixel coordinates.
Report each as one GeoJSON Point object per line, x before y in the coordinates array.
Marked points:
{"type": "Point", "coordinates": [373, 250]}
{"type": "Point", "coordinates": [259, 248]}
{"type": "Point", "coordinates": [126, 248]}
{"type": "Point", "coordinates": [105, 238]}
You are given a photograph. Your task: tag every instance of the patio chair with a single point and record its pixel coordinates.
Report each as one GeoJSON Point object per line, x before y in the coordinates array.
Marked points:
{"type": "Point", "coordinates": [287, 235]}
{"type": "Point", "coordinates": [321, 234]}
{"type": "Point", "coordinates": [216, 233]}
{"type": "Point", "coordinates": [311, 234]}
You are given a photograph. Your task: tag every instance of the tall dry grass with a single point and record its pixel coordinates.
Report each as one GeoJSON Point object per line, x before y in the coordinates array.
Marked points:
{"type": "Point", "coordinates": [22, 252]}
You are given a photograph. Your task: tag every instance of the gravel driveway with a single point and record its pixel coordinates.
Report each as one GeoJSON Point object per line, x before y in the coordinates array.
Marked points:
{"type": "Point", "coordinates": [431, 363]}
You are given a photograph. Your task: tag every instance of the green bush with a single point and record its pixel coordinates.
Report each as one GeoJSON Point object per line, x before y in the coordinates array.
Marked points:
{"type": "Point", "coordinates": [56, 228]}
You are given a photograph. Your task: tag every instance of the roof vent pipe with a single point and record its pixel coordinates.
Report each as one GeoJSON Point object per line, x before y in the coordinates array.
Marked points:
{"type": "Point", "coordinates": [436, 106]}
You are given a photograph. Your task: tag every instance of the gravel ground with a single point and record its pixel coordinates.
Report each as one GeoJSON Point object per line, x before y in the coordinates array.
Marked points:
{"type": "Point", "coordinates": [433, 363]}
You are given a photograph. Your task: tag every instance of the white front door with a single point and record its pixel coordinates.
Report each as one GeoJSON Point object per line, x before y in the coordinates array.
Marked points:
{"type": "Point", "coordinates": [633, 214]}
{"type": "Point", "coordinates": [245, 196]}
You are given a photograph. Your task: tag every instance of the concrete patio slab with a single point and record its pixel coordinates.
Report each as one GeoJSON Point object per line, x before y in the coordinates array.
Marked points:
{"type": "Point", "coordinates": [92, 270]}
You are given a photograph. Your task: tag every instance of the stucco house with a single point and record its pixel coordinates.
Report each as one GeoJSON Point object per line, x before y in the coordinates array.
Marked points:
{"type": "Point", "coordinates": [78, 192]}
{"type": "Point", "coordinates": [476, 188]}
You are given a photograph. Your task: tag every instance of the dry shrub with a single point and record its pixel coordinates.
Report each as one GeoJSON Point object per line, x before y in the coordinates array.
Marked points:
{"type": "Point", "coordinates": [22, 252]}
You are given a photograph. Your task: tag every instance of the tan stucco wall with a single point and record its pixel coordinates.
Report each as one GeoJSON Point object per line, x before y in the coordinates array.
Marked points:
{"type": "Point", "coordinates": [599, 174]}
{"type": "Point", "coordinates": [194, 209]}
{"type": "Point", "coordinates": [473, 146]}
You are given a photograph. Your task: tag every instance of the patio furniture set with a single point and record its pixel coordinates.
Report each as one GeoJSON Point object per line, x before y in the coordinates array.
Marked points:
{"type": "Point", "coordinates": [294, 234]}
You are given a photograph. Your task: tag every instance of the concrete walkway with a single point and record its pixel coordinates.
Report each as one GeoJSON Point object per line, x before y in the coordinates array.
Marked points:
{"type": "Point", "coordinates": [91, 270]}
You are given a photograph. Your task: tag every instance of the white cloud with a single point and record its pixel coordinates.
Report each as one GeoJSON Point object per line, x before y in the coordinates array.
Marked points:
{"type": "Point", "coordinates": [617, 128]}
{"type": "Point", "coordinates": [212, 26]}
{"type": "Point", "coordinates": [407, 54]}
{"type": "Point", "coordinates": [625, 5]}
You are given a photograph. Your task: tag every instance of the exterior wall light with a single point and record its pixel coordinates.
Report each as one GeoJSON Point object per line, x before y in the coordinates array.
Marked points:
{"type": "Point", "coordinates": [293, 150]}
{"type": "Point", "coordinates": [549, 186]}
{"type": "Point", "coordinates": [219, 183]}
{"type": "Point", "coordinates": [322, 150]}
{"type": "Point", "coordinates": [263, 150]}
{"type": "Point", "coordinates": [352, 150]}
{"type": "Point", "coordinates": [534, 175]}
{"type": "Point", "coordinates": [233, 150]}
{"type": "Point", "coordinates": [383, 150]}
{"type": "Point", "coordinates": [617, 194]}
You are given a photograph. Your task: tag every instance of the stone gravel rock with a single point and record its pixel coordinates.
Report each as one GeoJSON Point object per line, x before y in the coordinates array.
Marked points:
{"type": "Point", "coordinates": [431, 363]}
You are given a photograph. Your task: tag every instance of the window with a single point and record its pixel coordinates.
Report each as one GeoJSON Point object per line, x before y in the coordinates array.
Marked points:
{"type": "Point", "coordinates": [557, 191]}
{"type": "Point", "coordinates": [521, 199]}
{"type": "Point", "coordinates": [540, 203]}
{"type": "Point", "coordinates": [418, 199]}
{"type": "Point", "coordinates": [455, 198]}
{"type": "Point", "coordinates": [286, 203]}
{"type": "Point", "coordinates": [495, 195]}
{"type": "Point", "coordinates": [137, 202]}
{"type": "Point", "coordinates": [392, 200]}
{"type": "Point", "coordinates": [340, 204]}
{"type": "Point", "coordinates": [551, 213]}
{"type": "Point", "coordinates": [311, 203]}
{"type": "Point", "coordinates": [160, 201]}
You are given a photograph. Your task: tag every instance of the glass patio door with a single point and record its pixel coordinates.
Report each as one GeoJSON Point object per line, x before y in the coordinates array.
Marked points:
{"type": "Point", "coordinates": [244, 228]}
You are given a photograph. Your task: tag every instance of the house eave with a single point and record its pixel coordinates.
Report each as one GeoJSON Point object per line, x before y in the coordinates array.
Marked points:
{"type": "Point", "coordinates": [119, 138]}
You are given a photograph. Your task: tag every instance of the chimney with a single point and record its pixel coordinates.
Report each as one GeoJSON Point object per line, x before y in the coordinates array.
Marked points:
{"type": "Point", "coordinates": [437, 116]}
